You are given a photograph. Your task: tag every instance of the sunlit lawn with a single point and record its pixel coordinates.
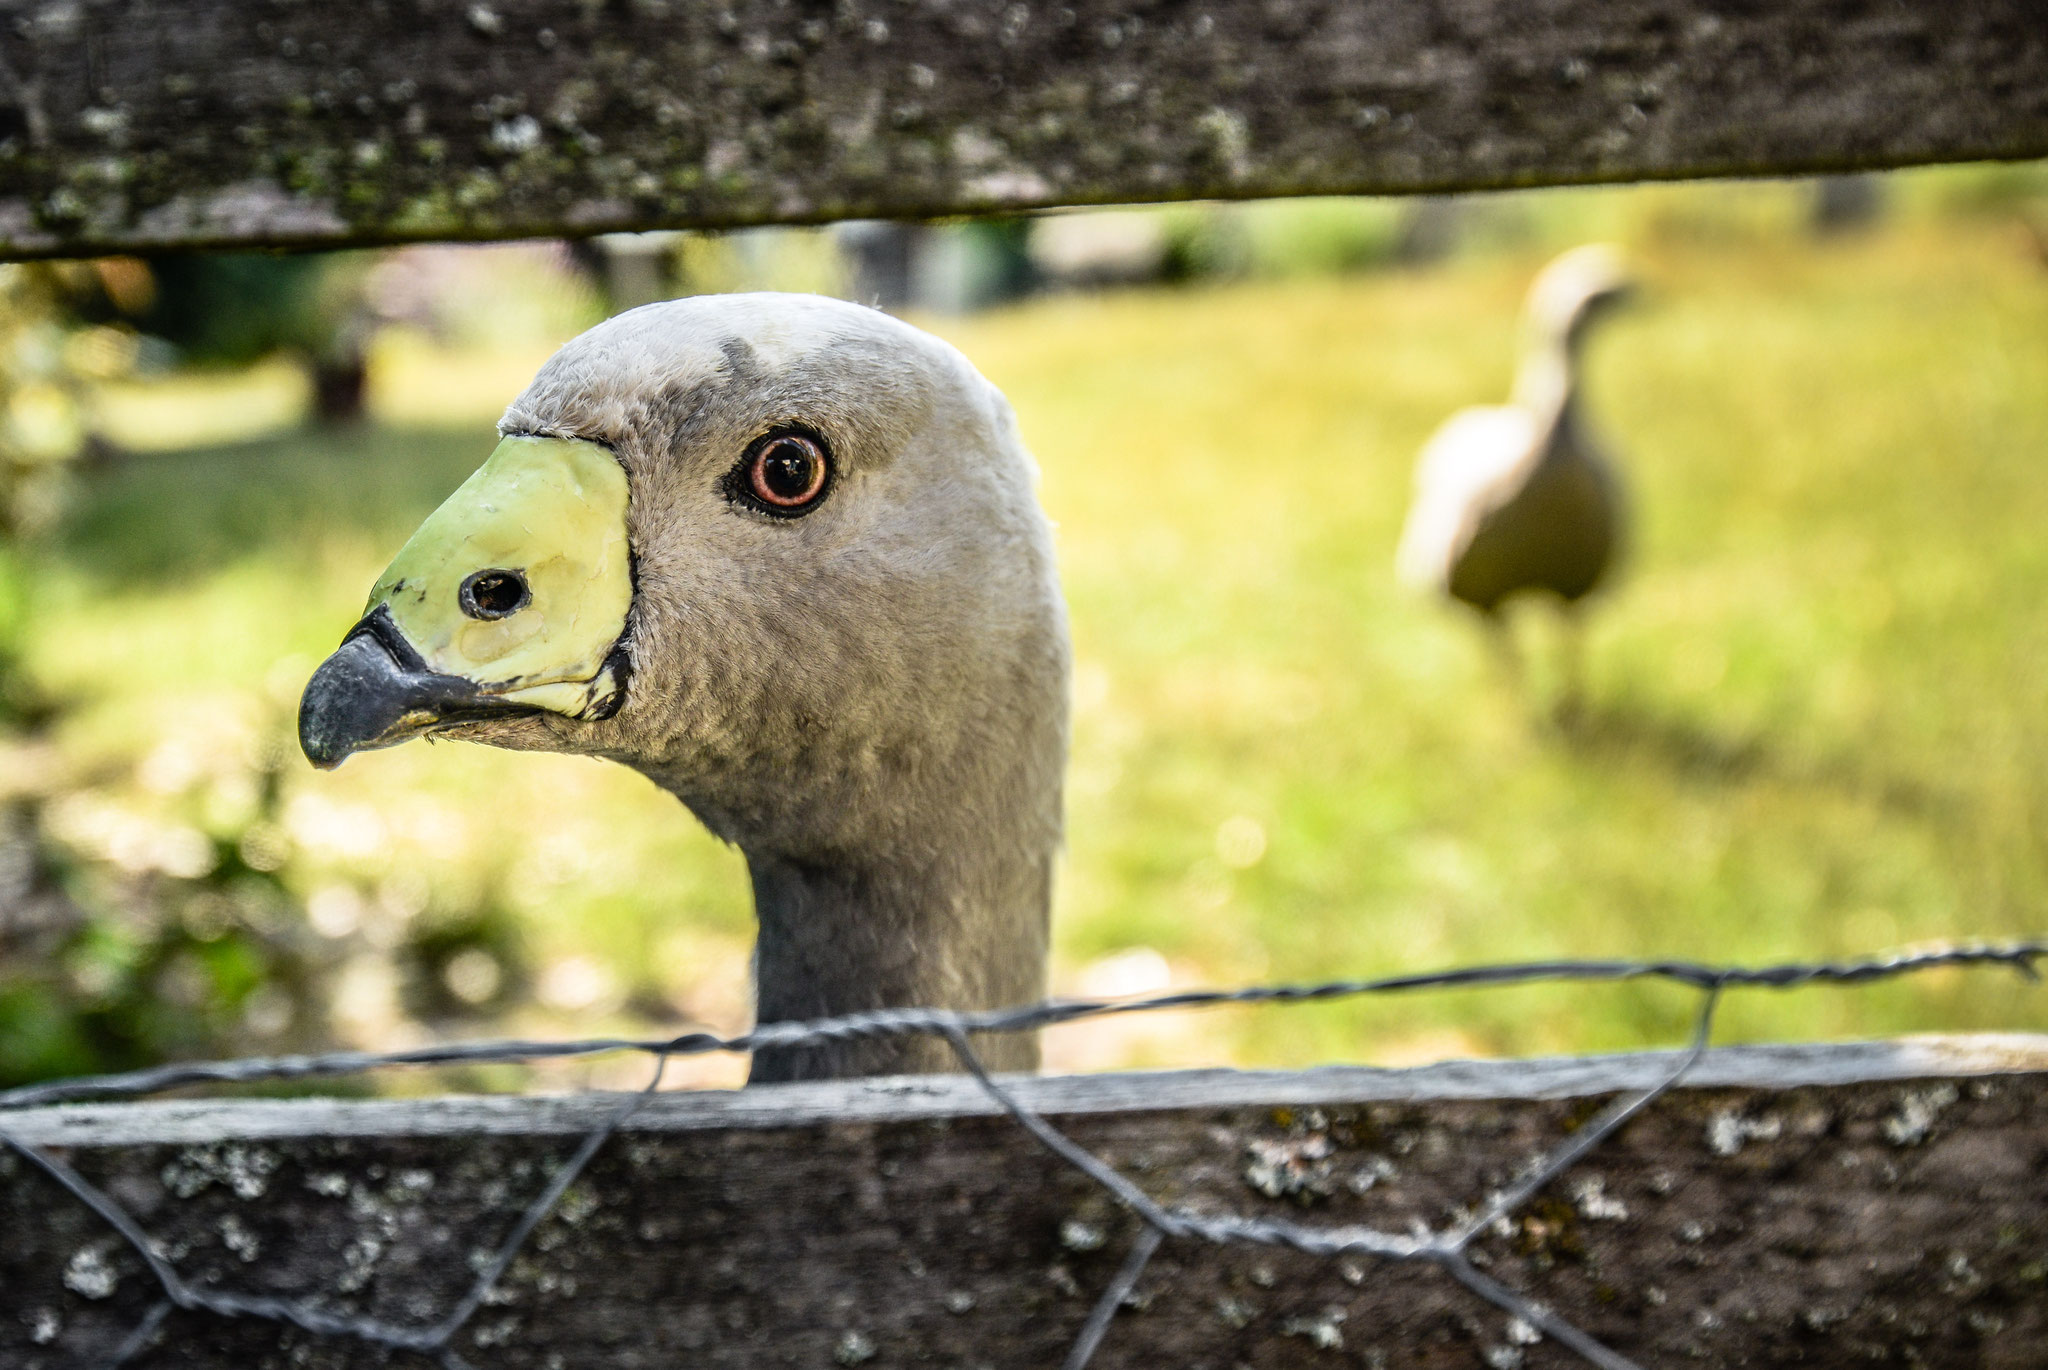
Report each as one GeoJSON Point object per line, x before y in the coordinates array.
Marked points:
{"type": "Point", "coordinates": [1816, 720]}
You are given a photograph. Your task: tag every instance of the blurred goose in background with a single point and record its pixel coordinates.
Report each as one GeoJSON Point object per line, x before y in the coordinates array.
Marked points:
{"type": "Point", "coordinates": [1521, 497]}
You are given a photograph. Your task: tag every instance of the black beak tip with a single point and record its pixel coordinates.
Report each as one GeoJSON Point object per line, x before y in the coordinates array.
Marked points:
{"type": "Point", "coordinates": [354, 699]}
{"type": "Point", "coordinates": [323, 753]}
{"type": "Point", "coordinates": [376, 692]}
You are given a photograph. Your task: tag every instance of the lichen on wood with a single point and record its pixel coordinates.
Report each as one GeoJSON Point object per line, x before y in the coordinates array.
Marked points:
{"type": "Point", "coordinates": [131, 125]}
{"type": "Point", "coordinates": [1865, 1215]}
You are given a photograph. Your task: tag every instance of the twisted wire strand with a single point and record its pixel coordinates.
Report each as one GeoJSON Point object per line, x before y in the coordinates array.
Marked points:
{"type": "Point", "coordinates": [2020, 955]}
{"type": "Point", "coordinates": [1610, 1121]}
{"type": "Point", "coordinates": [1097, 1326]}
{"type": "Point", "coordinates": [1448, 1249]}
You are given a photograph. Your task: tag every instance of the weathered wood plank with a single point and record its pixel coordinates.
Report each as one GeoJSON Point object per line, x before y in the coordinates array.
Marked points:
{"type": "Point", "coordinates": [1794, 1206]}
{"type": "Point", "coordinates": [138, 124]}
{"type": "Point", "coordinates": [917, 1098]}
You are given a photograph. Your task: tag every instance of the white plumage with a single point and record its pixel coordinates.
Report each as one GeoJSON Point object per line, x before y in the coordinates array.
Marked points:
{"type": "Point", "coordinates": [1520, 497]}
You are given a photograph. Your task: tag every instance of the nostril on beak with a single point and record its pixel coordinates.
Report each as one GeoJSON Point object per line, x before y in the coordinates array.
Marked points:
{"type": "Point", "coordinates": [494, 594]}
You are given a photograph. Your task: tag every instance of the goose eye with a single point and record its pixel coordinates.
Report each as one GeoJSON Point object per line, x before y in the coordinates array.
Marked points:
{"type": "Point", "coordinates": [494, 594]}
{"type": "Point", "coordinates": [787, 473]}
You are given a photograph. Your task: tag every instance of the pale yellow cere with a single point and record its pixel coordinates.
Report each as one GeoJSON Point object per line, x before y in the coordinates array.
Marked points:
{"type": "Point", "coordinates": [554, 511]}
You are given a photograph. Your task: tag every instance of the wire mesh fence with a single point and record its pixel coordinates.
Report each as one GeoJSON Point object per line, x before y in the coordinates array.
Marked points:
{"type": "Point", "coordinates": [1446, 1248]}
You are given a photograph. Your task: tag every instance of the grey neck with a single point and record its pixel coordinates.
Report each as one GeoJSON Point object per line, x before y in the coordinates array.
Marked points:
{"type": "Point", "coordinates": [966, 930]}
{"type": "Point", "coordinates": [900, 837]}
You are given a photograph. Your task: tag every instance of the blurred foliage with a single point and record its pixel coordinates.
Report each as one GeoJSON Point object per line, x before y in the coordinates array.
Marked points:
{"type": "Point", "coordinates": [104, 966]}
{"type": "Point", "coordinates": [50, 357]}
{"type": "Point", "coordinates": [1279, 239]}
{"type": "Point", "coordinates": [235, 308]}
{"type": "Point", "coordinates": [463, 962]}
{"type": "Point", "coordinates": [113, 964]}
{"type": "Point", "coordinates": [127, 939]}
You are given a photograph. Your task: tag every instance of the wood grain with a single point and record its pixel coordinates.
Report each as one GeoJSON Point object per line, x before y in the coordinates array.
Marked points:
{"type": "Point", "coordinates": [132, 125]}
{"type": "Point", "coordinates": [1883, 1203]}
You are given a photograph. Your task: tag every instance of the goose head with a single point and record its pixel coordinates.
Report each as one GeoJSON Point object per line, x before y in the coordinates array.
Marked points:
{"type": "Point", "coordinates": [1575, 289]}
{"type": "Point", "coordinates": [782, 555]}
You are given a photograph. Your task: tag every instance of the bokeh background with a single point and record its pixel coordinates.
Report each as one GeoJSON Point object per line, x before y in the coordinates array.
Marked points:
{"type": "Point", "coordinates": [1815, 718]}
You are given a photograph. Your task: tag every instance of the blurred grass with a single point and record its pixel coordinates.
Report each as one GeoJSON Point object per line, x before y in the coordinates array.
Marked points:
{"type": "Point", "coordinates": [1816, 721]}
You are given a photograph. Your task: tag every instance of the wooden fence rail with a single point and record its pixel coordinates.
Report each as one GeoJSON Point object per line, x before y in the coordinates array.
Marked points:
{"type": "Point", "coordinates": [137, 125]}
{"type": "Point", "coordinates": [1873, 1203]}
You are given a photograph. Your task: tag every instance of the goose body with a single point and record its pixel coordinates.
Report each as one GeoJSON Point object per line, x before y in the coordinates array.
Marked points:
{"type": "Point", "coordinates": [782, 555]}
{"type": "Point", "coordinates": [1520, 497]}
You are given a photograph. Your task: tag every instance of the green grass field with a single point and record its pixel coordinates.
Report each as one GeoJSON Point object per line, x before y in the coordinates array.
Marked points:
{"type": "Point", "coordinates": [1816, 718]}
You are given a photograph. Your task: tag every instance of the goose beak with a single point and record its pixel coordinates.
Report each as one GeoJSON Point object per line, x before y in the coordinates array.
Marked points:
{"type": "Point", "coordinates": [510, 601]}
{"type": "Point", "coordinates": [376, 691]}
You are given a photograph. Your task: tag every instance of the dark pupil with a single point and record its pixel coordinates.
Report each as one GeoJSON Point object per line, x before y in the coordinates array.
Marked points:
{"type": "Point", "coordinates": [497, 593]}
{"type": "Point", "coordinates": [786, 471]}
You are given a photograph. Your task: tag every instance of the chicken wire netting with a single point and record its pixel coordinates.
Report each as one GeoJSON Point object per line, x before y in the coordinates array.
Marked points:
{"type": "Point", "coordinates": [1446, 1247]}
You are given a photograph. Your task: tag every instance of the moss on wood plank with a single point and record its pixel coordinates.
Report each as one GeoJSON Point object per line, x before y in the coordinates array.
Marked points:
{"type": "Point", "coordinates": [1882, 1221]}
{"type": "Point", "coordinates": [138, 124]}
